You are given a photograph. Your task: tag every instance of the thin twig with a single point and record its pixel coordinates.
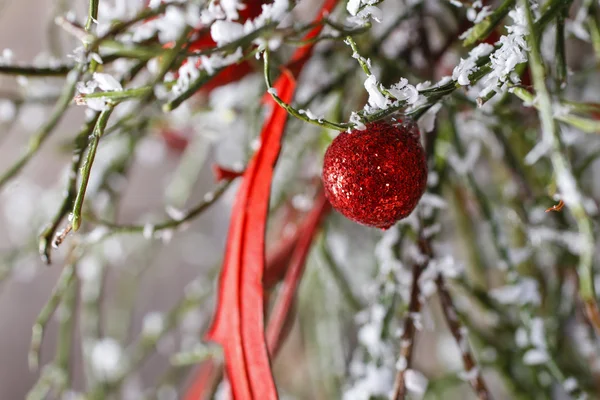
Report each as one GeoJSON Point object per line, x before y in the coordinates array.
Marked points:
{"type": "Point", "coordinates": [472, 371]}
{"type": "Point", "coordinates": [351, 299]}
{"type": "Point", "coordinates": [407, 340]}
{"type": "Point", "coordinates": [149, 229]}
{"type": "Point", "coordinates": [86, 169]}
{"type": "Point", "coordinates": [47, 238]}
{"type": "Point", "coordinates": [29, 70]}
{"type": "Point", "coordinates": [482, 29]}
{"type": "Point", "coordinates": [92, 14]}
{"type": "Point", "coordinates": [65, 280]}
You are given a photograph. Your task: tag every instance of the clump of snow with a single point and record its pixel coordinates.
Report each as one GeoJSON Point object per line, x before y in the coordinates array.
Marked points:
{"type": "Point", "coordinates": [427, 121]}
{"type": "Point", "coordinates": [416, 382]}
{"type": "Point", "coordinates": [107, 82]}
{"type": "Point", "coordinates": [369, 334]}
{"type": "Point", "coordinates": [513, 51]}
{"type": "Point", "coordinates": [466, 164]}
{"type": "Point", "coordinates": [375, 381]}
{"type": "Point", "coordinates": [403, 91]}
{"type": "Point", "coordinates": [302, 202]}
{"type": "Point", "coordinates": [170, 25]}
{"type": "Point", "coordinates": [570, 385]}
{"type": "Point", "coordinates": [187, 73]}
{"type": "Point", "coordinates": [107, 360]}
{"type": "Point", "coordinates": [6, 57]}
{"type": "Point", "coordinates": [213, 12]}
{"type": "Point", "coordinates": [231, 8]}
{"type": "Point", "coordinates": [271, 12]}
{"type": "Point", "coordinates": [311, 115]}
{"type": "Point", "coordinates": [434, 201]}
{"type": "Point", "coordinates": [468, 65]}
{"type": "Point", "coordinates": [217, 61]}
{"type": "Point", "coordinates": [539, 235]}
{"type": "Point", "coordinates": [478, 16]}
{"type": "Point", "coordinates": [385, 252]}
{"type": "Point", "coordinates": [357, 122]}
{"type": "Point", "coordinates": [535, 357]}
{"type": "Point", "coordinates": [224, 32]}
{"type": "Point", "coordinates": [363, 13]}
{"type": "Point", "coordinates": [523, 292]}
{"type": "Point", "coordinates": [153, 324]}
{"type": "Point", "coordinates": [88, 269]}
{"type": "Point", "coordinates": [538, 333]}
{"type": "Point", "coordinates": [376, 98]}
{"type": "Point", "coordinates": [148, 231]}
{"type": "Point", "coordinates": [8, 110]}
{"type": "Point", "coordinates": [469, 376]}
{"type": "Point", "coordinates": [353, 6]}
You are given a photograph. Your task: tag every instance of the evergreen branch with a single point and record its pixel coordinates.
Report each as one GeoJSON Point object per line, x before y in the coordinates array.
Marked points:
{"type": "Point", "coordinates": [588, 125]}
{"type": "Point", "coordinates": [116, 96]}
{"type": "Point", "coordinates": [116, 49]}
{"type": "Point", "coordinates": [364, 64]}
{"type": "Point", "coordinates": [244, 42]}
{"type": "Point", "coordinates": [564, 178]}
{"type": "Point", "coordinates": [482, 29]}
{"type": "Point", "coordinates": [594, 27]}
{"type": "Point", "coordinates": [121, 26]}
{"type": "Point", "coordinates": [561, 61]}
{"type": "Point", "coordinates": [204, 77]}
{"type": "Point", "coordinates": [192, 89]}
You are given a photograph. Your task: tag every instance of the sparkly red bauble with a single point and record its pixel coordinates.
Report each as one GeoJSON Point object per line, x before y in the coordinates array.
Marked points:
{"type": "Point", "coordinates": [375, 176]}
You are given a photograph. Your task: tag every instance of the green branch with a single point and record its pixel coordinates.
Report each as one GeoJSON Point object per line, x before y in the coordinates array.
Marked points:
{"type": "Point", "coordinates": [86, 169]}
{"type": "Point", "coordinates": [564, 176]}
{"type": "Point", "coordinates": [28, 70]}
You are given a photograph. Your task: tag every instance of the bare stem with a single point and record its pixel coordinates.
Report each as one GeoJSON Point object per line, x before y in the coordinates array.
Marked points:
{"type": "Point", "coordinates": [65, 280]}
{"type": "Point", "coordinates": [407, 340]}
{"type": "Point", "coordinates": [148, 229]}
{"type": "Point", "coordinates": [472, 371]}
{"type": "Point", "coordinates": [86, 169]}
{"type": "Point", "coordinates": [28, 70]}
{"type": "Point", "coordinates": [46, 238]}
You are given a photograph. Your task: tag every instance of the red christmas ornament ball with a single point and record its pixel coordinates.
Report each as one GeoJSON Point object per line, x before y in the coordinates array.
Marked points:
{"type": "Point", "coordinates": [375, 176]}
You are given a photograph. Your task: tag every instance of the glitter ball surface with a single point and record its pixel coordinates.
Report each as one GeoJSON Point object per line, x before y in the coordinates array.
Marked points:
{"type": "Point", "coordinates": [375, 176]}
